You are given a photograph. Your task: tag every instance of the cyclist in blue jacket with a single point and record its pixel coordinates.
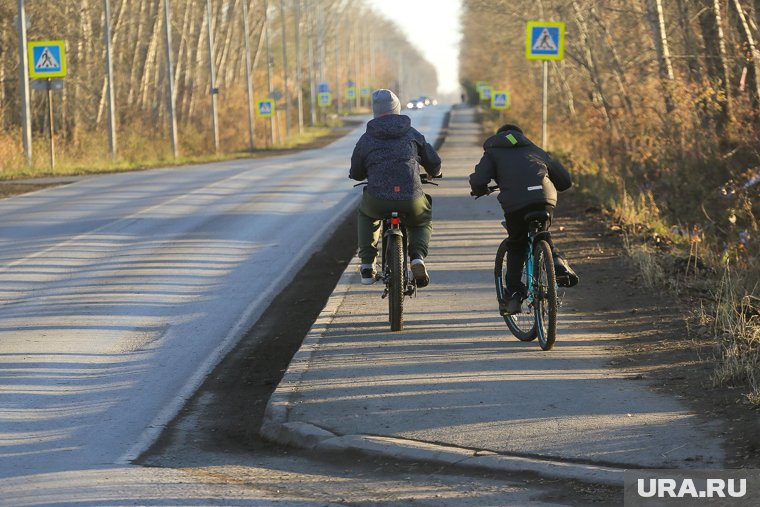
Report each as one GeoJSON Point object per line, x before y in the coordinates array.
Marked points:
{"type": "Point", "coordinates": [389, 156]}
{"type": "Point", "coordinates": [529, 180]}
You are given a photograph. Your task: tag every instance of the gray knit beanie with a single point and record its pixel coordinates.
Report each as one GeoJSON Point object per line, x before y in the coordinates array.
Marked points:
{"type": "Point", "coordinates": [385, 102]}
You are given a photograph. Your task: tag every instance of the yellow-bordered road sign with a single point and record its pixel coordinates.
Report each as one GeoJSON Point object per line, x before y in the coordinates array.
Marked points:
{"type": "Point", "coordinates": [265, 108]}
{"type": "Point", "coordinates": [46, 59]}
{"type": "Point", "coordinates": [500, 99]}
{"type": "Point", "coordinates": [545, 40]}
{"type": "Point", "coordinates": [324, 99]}
{"type": "Point", "coordinates": [485, 92]}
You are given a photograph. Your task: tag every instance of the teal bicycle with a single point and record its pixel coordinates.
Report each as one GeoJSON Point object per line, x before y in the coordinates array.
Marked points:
{"type": "Point", "coordinates": [538, 313]}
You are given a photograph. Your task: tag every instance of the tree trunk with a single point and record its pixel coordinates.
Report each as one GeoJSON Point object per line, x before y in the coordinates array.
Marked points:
{"type": "Point", "coordinates": [660, 39]}
{"type": "Point", "coordinates": [752, 56]}
{"type": "Point", "coordinates": [617, 67]}
{"type": "Point", "coordinates": [716, 59]}
{"type": "Point", "coordinates": [689, 40]}
{"type": "Point", "coordinates": [598, 92]}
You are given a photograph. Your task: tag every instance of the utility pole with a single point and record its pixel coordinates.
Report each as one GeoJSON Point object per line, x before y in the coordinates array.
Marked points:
{"type": "Point", "coordinates": [26, 122]}
{"type": "Point", "coordinates": [337, 71]}
{"type": "Point", "coordinates": [170, 78]}
{"type": "Point", "coordinates": [248, 80]}
{"type": "Point", "coordinates": [285, 93]}
{"type": "Point", "coordinates": [270, 63]}
{"type": "Point", "coordinates": [212, 73]}
{"type": "Point", "coordinates": [312, 86]}
{"type": "Point", "coordinates": [109, 74]}
{"type": "Point", "coordinates": [299, 90]}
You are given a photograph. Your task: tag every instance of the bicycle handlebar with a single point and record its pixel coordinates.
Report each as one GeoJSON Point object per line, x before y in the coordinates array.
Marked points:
{"type": "Point", "coordinates": [491, 189]}
{"type": "Point", "coordinates": [423, 179]}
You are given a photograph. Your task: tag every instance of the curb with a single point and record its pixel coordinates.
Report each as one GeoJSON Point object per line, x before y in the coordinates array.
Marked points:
{"type": "Point", "coordinates": [274, 424]}
{"type": "Point", "coordinates": [276, 428]}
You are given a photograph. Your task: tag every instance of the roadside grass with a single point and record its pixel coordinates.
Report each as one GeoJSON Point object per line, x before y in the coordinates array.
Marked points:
{"type": "Point", "coordinates": [137, 150]}
{"type": "Point", "coordinates": [718, 283]}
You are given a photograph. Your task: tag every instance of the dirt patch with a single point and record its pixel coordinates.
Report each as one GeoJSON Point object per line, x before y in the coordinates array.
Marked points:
{"type": "Point", "coordinates": [655, 341]}
{"type": "Point", "coordinates": [8, 189]}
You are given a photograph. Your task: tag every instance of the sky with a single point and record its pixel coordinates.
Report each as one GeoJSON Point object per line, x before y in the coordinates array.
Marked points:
{"type": "Point", "coordinates": [432, 26]}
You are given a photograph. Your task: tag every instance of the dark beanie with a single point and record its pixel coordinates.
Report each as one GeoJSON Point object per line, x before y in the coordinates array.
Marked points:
{"type": "Point", "coordinates": [509, 126]}
{"type": "Point", "coordinates": [385, 102]}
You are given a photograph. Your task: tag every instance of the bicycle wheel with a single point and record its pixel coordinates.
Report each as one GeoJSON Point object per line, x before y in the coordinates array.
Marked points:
{"type": "Point", "coordinates": [523, 324]}
{"type": "Point", "coordinates": [546, 295]}
{"type": "Point", "coordinates": [396, 282]}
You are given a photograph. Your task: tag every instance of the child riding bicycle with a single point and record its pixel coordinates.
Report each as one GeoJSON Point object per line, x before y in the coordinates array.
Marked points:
{"type": "Point", "coordinates": [529, 180]}
{"type": "Point", "coordinates": [389, 155]}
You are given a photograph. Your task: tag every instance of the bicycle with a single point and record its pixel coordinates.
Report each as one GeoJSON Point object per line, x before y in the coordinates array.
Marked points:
{"type": "Point", "coordinates": [537, 319]}
{"type": "Point", "coordinates": [394, 267]}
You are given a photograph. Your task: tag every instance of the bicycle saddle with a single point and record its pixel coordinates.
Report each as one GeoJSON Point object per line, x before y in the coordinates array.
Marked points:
{"type": "Point", "coordinates": [541, 216]}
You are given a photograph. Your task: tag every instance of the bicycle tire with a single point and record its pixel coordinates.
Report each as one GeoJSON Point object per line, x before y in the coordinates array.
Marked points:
{"type": "Point", "coordinates": [396, 282]}
{"type": "Point", "coordinates": [522, 325]}
{"type": "Point", "coordinates": [546, 295]}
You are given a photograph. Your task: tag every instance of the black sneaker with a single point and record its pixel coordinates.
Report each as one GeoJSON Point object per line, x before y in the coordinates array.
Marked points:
{"type": "Point", "coordinates": [566, 277]}
{"type": "Point", "coordinates": [369, 276]}
{"type": "Point", "coordinates": [514, 304]}
{"type": "Point", "coordinates": [421, 277]}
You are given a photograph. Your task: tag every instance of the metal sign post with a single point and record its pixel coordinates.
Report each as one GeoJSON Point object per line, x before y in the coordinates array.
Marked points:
{"type": "Point", "coordinates": [265, 109]}
{"type": "Point", "coordinates": [544, 41]}
{"type": "Point", "coordinates": [47, 60]}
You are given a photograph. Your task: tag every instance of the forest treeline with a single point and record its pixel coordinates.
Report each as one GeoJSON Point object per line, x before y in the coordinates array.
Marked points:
{"type": "Point", "coordinates": [657, 106]}
{"type": "Point", "coordinates": [308, 42]}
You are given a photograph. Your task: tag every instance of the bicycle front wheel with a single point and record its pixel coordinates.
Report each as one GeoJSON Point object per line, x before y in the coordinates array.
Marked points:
{"type": "Point", "coordinates": [396, 282]}
{"type": "Point", "coordinates": [523, 324]}
{"type": "Point", "coordinates": [545, 286]}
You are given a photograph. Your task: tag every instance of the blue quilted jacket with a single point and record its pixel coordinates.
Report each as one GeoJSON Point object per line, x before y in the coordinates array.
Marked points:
{"type": "Point", "coordinates": [389, 156]}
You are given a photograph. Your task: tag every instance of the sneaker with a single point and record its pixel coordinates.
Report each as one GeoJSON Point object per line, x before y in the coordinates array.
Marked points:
{"type": "Point", "coordinates": [369, 275]}
{"type": "Point", "coordinates": [566, 277]}
{"type": "Point", "coordinates": [514, 305]}
{"type": "Point", "coordinates": [421, 277]}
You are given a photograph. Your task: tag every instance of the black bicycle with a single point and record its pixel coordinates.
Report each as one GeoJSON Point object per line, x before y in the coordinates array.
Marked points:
{"type": "Point", "coordinates": [394, 267]}
{"type": "Point", "coordinates": [538, 311]}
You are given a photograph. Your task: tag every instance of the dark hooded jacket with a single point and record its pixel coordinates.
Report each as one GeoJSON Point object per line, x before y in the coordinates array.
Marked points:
{"type": "Point", "coordinates": [525, 173]}
{"type": "Point", "coordinates": [389, 155]}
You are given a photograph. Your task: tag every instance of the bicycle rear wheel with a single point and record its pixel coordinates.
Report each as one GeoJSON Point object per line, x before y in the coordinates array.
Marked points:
{"type": "Point", "coordinates": [396, 282]}
{"type": "Point", "coordinates": [523, 324]}
{"type": "Point", "coordinates": [546, 295]}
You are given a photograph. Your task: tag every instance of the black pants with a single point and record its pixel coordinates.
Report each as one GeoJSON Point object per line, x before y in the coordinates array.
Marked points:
{"type": "Point", "coordinates": [517, 248]}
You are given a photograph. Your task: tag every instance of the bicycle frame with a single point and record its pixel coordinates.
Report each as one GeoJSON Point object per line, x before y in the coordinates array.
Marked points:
{"type": "Point", "coordinates": [536, 232]}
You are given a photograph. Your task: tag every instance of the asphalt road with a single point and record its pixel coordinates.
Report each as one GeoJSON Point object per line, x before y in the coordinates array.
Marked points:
{"type": "Point", "coordinates": [119, 294]}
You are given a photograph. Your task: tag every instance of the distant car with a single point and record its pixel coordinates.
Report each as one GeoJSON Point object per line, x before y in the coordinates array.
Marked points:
{"type": "Point", "coordinates": [416, 103]}
{"type": "Point", "coordinates": [429, 101]}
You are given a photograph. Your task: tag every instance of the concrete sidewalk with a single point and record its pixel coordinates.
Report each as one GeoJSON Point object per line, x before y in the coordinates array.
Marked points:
{"type": "Point", "coordinates": [455, 387]}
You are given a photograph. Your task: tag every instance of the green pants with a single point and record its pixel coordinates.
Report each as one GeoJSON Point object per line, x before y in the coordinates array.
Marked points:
{"type": "Point", "coordinates": [416, 215]}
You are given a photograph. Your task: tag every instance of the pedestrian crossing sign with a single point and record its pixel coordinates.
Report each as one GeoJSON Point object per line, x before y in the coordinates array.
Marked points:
{"type": "Point", "coordinates": [500, 99]}
{"type": "Point", "coordinates": [545, 40]}
{"type": "Point", "coordinates": [265, 108]}
{"type": "Point", "coordinates": [47, 59]}
{"type": "Point", "coordinates": [324, 99]}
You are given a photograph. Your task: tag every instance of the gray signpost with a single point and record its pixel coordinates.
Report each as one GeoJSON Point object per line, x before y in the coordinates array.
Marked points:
{"type": "Point", "coordinates": [544, 41]}
{"type": "Point", "coordinates": [47, 62]}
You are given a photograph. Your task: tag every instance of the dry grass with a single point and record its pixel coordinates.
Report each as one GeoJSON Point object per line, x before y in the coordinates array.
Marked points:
{"type": "Point", "coordinates": [735, 322]}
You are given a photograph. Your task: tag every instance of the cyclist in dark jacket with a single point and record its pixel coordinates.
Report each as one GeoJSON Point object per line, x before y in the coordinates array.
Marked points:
{"type": "Point", "coordinates": [389, 156]}
{"type": "Point", "coordinates": [529, 180]}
